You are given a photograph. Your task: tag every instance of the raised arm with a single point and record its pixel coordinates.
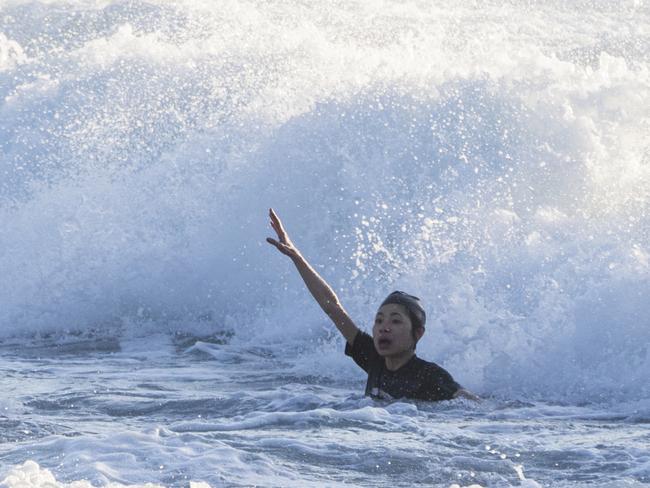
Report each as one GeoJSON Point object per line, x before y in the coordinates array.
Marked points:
{"type": "Point", "coordinates": [317, 286]}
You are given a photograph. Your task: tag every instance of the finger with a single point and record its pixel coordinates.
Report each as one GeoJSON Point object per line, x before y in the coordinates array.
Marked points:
{"type": "Point", "coordinates": [280, 247]}
{"type": "Point", "coordinates": [275, 219]}
{"type": "Point", "coordinates": [279, 230]}
{"type": "Point", "coordinates": [276, 229]}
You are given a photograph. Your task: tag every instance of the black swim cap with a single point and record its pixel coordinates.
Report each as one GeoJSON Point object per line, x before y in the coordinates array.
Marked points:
{"type": "Point", "coordinates": [412, 304]}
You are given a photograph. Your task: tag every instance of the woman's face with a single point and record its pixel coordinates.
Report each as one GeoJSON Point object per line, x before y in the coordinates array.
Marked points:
{"type": "Point", "coordinates": [392, 330]}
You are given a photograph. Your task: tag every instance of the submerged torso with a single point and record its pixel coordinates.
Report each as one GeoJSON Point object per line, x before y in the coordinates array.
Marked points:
{"type": "Point", "coordinates": [417, 379]}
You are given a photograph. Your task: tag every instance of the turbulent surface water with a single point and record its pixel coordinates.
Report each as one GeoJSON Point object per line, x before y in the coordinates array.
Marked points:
{"type": "Point", "coordinates": [492, 158]}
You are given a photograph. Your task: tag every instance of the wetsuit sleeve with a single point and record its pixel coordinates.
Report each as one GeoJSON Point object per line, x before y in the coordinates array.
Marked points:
{"type": "Point", "coordinates": [439, 385]}
{"type": "Point", "coordinates": [362, 350]}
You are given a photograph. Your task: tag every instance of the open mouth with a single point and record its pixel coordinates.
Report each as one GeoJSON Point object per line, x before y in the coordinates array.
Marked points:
{"type": "Point", "coordinates": [384, 342]}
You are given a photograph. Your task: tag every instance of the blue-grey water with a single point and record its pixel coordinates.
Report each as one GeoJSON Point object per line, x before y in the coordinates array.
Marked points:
{"type": "Point", "coordinates": [230, 415]}
{"type": "Point", "coordinates": [491, 158]}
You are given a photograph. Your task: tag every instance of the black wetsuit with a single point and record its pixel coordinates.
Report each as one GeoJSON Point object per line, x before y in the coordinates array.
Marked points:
{"type": "Point", "coordinates": [417, 379]}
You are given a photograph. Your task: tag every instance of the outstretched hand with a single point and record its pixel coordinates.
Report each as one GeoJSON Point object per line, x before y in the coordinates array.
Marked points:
{"type": "Point", "coordinates": [283, 244]}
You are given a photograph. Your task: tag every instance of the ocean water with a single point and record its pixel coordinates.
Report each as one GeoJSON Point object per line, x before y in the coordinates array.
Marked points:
{"type": "Point", "coordinates": [490, 157]}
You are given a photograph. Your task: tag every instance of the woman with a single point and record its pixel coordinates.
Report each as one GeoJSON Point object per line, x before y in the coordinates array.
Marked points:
{"type": "Point", "coordinates": [394, 371]}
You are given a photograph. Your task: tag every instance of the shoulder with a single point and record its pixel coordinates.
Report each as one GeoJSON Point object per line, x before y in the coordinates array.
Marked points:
{"type": "Point", "coordinates": [429, 367]}
{"type": "Point", "coordinates": [362, 341]}
{"type": "Point", "coordinates": [362, 350]}
{"type": "Point", "coordinates": [435, 379]}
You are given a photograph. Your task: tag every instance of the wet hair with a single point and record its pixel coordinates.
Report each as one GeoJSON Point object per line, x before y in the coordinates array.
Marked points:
{"type": "Point", "coordinates": [416, 313]}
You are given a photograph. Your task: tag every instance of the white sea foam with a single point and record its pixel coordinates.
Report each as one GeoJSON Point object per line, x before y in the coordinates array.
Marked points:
{"type": "Point", "coordinates": [31, 475]}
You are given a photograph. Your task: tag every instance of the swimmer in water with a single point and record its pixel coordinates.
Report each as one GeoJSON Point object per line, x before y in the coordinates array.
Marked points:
{"type": "Point", "coordinates": [394, 370]}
